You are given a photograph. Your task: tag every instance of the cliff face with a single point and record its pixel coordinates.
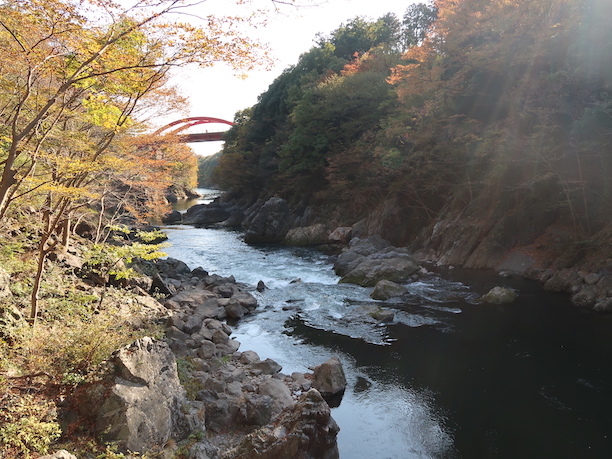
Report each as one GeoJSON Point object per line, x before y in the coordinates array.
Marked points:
{"type": "Point", "coordinates": [526, 231]}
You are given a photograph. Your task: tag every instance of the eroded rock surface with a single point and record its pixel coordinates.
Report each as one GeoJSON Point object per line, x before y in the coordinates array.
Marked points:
{"type": "Point", "coordinates": [367, 261]}
{"type": "Point", "coordinates": [138, 401]}
{"type": "Point", "coordinates": [289, 439]}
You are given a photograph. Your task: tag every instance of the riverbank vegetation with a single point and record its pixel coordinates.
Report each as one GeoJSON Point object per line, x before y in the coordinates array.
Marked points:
{"type": "Point", "coordinates": [80, 83]}
{"type": "Point", "coordinates": [479, 109]}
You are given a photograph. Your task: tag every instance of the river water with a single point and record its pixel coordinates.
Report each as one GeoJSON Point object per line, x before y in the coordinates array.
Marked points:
{"type": "Point", "coordinates": [449, 378]}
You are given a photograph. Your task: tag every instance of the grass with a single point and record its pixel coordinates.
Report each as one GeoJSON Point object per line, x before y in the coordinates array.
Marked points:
{"type": "Point", "coordinates": [40, 366]}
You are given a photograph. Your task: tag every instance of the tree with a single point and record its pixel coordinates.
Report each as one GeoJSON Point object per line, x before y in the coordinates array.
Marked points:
{"type": "Point", "coordinates": [52, 52]}
{"type": "Point", "coordinates": [417, 23]}
{"type": "Point", "coordinates": [73, 74]}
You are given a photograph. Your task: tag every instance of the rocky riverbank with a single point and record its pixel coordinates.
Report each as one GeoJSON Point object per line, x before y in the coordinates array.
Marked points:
{"type": "Point", "coordinates": [189, 391]}
{"type": "Point", "coordinates": [194, 393]}
{"type": "Point", "coordinates": [583, 269]}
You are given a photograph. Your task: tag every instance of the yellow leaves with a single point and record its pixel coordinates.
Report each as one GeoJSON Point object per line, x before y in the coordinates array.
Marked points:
{"type": "Point", "coordinates": [102, 113]}
{"type": "Point", "coordinates": [59, 190]}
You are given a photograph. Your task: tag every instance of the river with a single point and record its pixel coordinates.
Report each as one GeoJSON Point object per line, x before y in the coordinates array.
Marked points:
{"type": "Point", "coordinates": [449, 378]}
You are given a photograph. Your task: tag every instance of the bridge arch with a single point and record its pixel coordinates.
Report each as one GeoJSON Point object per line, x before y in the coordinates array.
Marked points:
{"type": "Point", "coordinates": [176, 127]}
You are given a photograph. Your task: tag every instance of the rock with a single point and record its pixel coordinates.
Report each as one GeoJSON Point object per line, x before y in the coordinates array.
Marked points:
{"type": "Point", "coordinates": [172, 267]}
{"type": "Point", "coordinates": [307, 235]}
{"type": "Point", "coordinates": [603, 306]}
{"type": "Point", "coordinates": [226, 290]}
{"type": "Point", "coordinates": [386, 289]}
{"type": "Point", "coordinates": [383, 315]}
{"type": "Point", "coordinates": [235, 310]}
{"type": "Point", "coordinates": [159, 286]}
{"type": "Point", "coordinates": [139, 403]}
{"type": "Point", "coordinates": [199, 272]}
{"type": "Point", "coordinates": [206, 215]}
{"type": "Point", "coordinates": [85, 229]}
{"type": "Point", "coordinates": [193, 297]}
{"type": "Point", "coordinates": [249, 357]}
{"type": "Point", "coordinates": [206, 350]}
{"type": "Point", "coordinates": [258, 409]}
{"type": "Point", "coordinates": [172, 217]}
{"type": "Point", "coordinates": [5, 281]}
{"type": "Point", "coordinates": [245, 299]}
{"type": "Point", "coordinates": [222, 413]}
{"type": "Point", "coordinates": [367, 261]}
{"type": "Point", "coordinates": [174, 333]}
{"type": "Point", "coordinates": [219, 337]}
{"type": "Point", "coordinates": [379, 266]}
{"type": "Point", "coordinates": [61, 454]}
{"type": "Point", "coordinates": [328, 378]}
{"type": "Point", "coordinates": [307, 431]}
{"type": "Point", "coordinates": [266, 367]}
{"type": "Point", "coordinates": [586, 297]}
{"type": "Point", "coordinates": [271, 222]}
{"type": "Point", "coordinates": [591, 278]}
{"type": "Point", "coordinates": [341, 235]}
{"type": "Point", "coordinates": [279, 392]}
{"type": "Point", "coordinates": [358, 248]}
{"type": "Point", "coordinates": [499, 295]}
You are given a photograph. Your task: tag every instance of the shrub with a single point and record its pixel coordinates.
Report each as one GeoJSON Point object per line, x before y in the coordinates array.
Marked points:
{"type": "Point", "coordinates": [28, 426]}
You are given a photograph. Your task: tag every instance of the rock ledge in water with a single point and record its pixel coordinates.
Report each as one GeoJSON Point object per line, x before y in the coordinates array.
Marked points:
{"type": "Point", "coordinates": [499, 295]}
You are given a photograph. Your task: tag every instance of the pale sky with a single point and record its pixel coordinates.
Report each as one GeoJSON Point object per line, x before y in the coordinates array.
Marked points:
{"type": "Point", "coordinates": [217, 93]}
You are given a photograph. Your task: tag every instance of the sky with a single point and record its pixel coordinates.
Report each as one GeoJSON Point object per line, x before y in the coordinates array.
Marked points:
{"type": "Point", "coordinates": [291, 31]}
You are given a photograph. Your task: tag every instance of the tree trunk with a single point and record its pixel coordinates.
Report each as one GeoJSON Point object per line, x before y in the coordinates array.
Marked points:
{"type": "Point", "coordinates": [40, 267]}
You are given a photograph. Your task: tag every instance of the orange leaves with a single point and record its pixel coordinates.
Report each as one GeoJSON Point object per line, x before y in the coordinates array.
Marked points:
{"type": "Point", "coordinates": [416, 79]}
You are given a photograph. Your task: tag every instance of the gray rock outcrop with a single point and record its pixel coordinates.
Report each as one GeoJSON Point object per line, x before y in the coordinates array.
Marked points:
{"type": "Point", "coordinates": [139, 402]}
{"type": "Point", "coordinates": [205, 214]}
{"type": "Point", "coordinates": [307, 235]}
{"type": "Point", "coordinates": [270, 223]}
{"type": "Point", "coordinates": [367, 261]}
{"type": "Point", "coordinates": [306, 432]}
{"type": "Point", "coordinates": [172, 217]}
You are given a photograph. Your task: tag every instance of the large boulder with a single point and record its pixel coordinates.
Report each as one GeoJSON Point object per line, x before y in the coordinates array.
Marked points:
{"type": "Point", "coordinates": [139, 402]}
{"type": "Point", "coordinates": [173, 268]}
{"type": "Point", "coordinates": [341, 235]}
{"type": "Point", "coordinates": [391, 263]}
{"type": "Point", "coordinates": [271, 222]}
{"type": "Point", "coordinates": [280, 394]}
{"type": "Point", "coordinates": [172, 217]}
{"type": "Point", "coordinates": [329, 378]}
{"type": "Point", "coordinates": [307, 235]}
{"type": "Point", "coordinates": [206, 215]}
{"type": "Point", "coordinates": [356, 251]}
{"type": "Point", "coordinates": [306, 432]}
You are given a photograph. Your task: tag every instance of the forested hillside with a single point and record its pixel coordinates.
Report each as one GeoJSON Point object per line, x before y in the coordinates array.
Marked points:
{"type": "Point", "coordinates": [484, 124]}
{"type": "Point", "coordinates": [206, 166]}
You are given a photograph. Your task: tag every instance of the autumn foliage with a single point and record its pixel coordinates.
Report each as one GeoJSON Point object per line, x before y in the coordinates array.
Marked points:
{"type": "Point", "coordinates": [457, 100]}
{"type": "Point", "coordinates": [78, 79]}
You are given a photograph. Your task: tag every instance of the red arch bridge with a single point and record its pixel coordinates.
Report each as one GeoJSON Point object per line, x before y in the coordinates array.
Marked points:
{"type": "Point", "coordinates": [176, 127]}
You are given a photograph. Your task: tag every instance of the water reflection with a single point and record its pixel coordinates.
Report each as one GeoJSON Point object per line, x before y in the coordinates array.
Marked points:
{"type": "Point", "coordinates": [379, 416]}
{"type": "Point", "coordinates": [206, 197]}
